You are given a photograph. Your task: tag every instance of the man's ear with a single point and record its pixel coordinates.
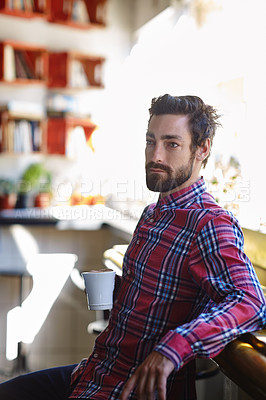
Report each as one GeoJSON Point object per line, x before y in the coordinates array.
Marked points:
{"type": "Point", "coordinates": [203, 151]}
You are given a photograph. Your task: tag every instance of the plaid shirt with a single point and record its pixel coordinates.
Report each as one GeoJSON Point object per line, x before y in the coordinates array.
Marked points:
{"type": "Point", "coordinates": [187, 290]}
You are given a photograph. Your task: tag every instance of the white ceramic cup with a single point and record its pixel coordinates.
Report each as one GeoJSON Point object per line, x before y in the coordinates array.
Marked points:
{"type": "Point", "coordinates": [99, 287]}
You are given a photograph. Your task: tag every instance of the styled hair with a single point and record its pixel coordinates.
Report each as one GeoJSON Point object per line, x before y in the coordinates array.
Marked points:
{"type": "Point", "coordinates": [202, 118]}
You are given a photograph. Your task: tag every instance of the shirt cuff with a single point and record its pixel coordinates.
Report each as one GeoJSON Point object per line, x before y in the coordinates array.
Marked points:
{"type": "Point", "coordinates": [176, 348]}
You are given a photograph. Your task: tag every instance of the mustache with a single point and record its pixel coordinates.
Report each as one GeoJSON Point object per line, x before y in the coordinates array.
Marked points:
{"type": "Point", "coordinates": [159, 166]}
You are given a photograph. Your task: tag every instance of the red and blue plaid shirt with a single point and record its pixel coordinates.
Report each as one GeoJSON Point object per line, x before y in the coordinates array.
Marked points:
{"type": "Point", "coordinates": [187, 290]}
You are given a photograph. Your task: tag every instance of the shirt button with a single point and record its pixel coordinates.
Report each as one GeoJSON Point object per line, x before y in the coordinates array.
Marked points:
{"type": "Point", "coordinates": [128, 272]}
{"type": "Point", "coordinates": [95, 355]}
{"type": "Point", "coordinates": [152, 220]}
{"type": "Point", "coordinates": [116, 301]}
{"type": "Point", "coordinates": [138, 241]}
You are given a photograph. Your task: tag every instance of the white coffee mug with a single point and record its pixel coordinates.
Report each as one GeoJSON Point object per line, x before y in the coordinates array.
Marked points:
{"type": "Point", "coordinates": [99, 287]}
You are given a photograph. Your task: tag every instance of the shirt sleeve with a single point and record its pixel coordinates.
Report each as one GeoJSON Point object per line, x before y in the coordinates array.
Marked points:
{"type": "Point", "coordinates": [236, 305]}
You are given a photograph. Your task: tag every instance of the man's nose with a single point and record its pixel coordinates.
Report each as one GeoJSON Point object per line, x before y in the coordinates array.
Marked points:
{"type": "Point", "coordinates": [157, 155]}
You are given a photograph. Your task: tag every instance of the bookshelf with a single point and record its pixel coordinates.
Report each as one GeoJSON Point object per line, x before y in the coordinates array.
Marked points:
{"type": "Point", "coordinates": [65, 132]}
{"type": "Point", "coordinates": [82, 14]}
{"type": "Point", "coordinates": [74, 70]}
{"type": "Point", "coordinates": [26, 64]}
{"type": "Point", "coordinates": [25, 8]}
{"type": "Point", "coordinates": [21, 133]}
{"type": "Point", "coordinates": [22, 63]}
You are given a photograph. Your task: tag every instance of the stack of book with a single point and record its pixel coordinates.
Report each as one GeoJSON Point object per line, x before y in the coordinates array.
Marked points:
{"type": "Point", "coordinates": [23, 5]}
{"type": "Point", "coordinates": [22, 64]}
{"type": "Point", "coordinates": [21, 129]}
{"type": "Point", "coordinates": [21, 136]}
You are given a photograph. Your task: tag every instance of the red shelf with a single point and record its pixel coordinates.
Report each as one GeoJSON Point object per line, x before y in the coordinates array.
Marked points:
{"type": "Point", "coordinates": [61, 12]}
{"type": "Point", "coordinates": [59, 129]}
{"type": "Point", "coordinates": [75, 71]}
{"type": "Point", "coordinates": [38, 9]}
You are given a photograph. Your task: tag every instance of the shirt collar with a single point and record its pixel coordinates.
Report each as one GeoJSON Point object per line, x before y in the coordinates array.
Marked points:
{"type": "Point", "coordinates": [182, 197]}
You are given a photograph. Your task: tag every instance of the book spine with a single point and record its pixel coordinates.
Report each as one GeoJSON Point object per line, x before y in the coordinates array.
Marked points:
{"type": "Point", "coordinates": [9, 63]}
{"type": "Point", "coordinates": [1, 138]}
{"type": "Point", "coordinates": [25, 69]}
{"type": "Point", "coordinates": [20, 70]}
{"type": "Point", "coordinates": [28, 6]}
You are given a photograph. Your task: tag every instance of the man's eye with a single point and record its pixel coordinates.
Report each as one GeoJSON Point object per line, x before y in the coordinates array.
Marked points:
{"type": "Point", "coordinates": [149, 142]}
{"type": "Point", "coordinates": [173, 144]}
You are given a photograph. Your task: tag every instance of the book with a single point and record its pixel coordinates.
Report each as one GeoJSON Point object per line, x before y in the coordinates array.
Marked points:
{"type": "Point", "coordinates": [26, 136]}
{"type": "Point", "coordinates": [9, 139]}
{"type": "Point", "coordinates": [28, 6]}
{"type": "Point", "coordinates": [41, 5]}
{"type": "Point", "coordinates": [9, 63]}
{"type": "Point", "coordinates": [67, 8]}
{"type": "Point", "coordinates": [36, 133]}
{"type": "Point", "coordinates": [78, 76]}
{"type": "Point", "coordinates": [61, 102]}
{"type": "Point", "coordinates": [80, 12]}
{"type": "Point", "coordinates": [1, 138]}
{"type": "Point", "coordinates": [27, 109]}
{"type": "Point", "coordinates": [100, 13]}
{"type": "Point", "coordinates": [39, 68]}
{"type": "Point", "coordinates": [20, 70]}
{"type": "Point", "coordinates": [76, 142]}
{"type": "Point", "coordinates": [33, 63]}
{"type": "Point", "coordinates": [18, 5]}
{"type": "Point", "coordinates": [22, 58]}
{"type": "Point", "coordinates": [65, 114]}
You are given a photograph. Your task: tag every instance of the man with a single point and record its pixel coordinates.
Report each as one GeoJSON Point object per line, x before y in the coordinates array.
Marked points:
{"type": "Point", "coordinates": [187, 287]}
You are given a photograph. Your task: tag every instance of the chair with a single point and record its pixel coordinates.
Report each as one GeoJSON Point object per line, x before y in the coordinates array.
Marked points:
{"type": "Point", "coordinates": [244, 362]}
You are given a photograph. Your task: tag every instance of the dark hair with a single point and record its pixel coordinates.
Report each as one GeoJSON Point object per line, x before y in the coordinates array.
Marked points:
{"type": "Point", "coordinates": [202, 118]}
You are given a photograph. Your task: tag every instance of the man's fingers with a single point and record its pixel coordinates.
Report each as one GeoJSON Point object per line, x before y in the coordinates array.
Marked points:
{"type": "Point", "coordinates": [161, 387]}
{"type": "Point", "coordinates": [147, 384]}
{"type": "Point", "coordinates": [149, 378]}
{"type": "Point", "coordinates": [129, 386]}
{"type": "Point", "coordinates": [149, 387]}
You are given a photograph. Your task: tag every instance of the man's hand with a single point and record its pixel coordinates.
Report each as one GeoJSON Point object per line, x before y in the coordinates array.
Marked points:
{"type": "Point", "coordinates": [151, 375]}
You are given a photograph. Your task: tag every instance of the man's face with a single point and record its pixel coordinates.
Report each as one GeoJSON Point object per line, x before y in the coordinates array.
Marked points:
{"type": "Point", "coordinates": [169, 159]}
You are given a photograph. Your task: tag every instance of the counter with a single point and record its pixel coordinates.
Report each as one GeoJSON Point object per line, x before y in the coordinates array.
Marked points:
{"type": "Point", "coordinates": [82, 218]}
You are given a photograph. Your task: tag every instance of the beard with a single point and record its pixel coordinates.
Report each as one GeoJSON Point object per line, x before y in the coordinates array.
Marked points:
{"type": "Point", "coordinates": [171, 180]}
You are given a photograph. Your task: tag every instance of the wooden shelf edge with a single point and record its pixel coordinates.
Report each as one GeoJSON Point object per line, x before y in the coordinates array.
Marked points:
{"type": "Point", "coordinates": [78, 25]}
{"type": "Point", "coordinates": [23, 14]}
{"type": "Point", "coordinates": [72, 90]}
{"type": "Point", "coordinates": [21, 81]}
{"type": "Point", "coordinates": [20, 153]}
{"type": "Point", "coordinates": [17, 44]}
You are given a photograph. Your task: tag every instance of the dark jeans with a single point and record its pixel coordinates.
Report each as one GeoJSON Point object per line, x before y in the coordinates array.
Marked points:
{"type": "Point", "coordinates": [49, 384]}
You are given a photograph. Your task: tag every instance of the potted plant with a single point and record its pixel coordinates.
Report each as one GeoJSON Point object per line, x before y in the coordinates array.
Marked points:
{"type": "Point", "coordinates": [35, 180]}
{"type": "Point", "coordinates": [43, 196]}
{"type": "Point", "coordinates": [8, 194]}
